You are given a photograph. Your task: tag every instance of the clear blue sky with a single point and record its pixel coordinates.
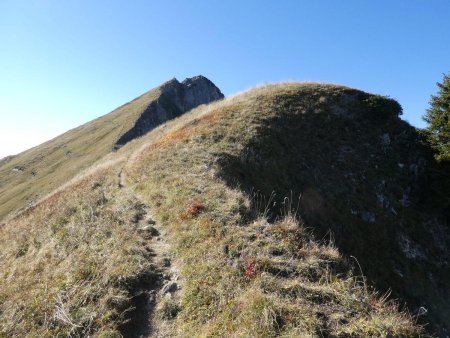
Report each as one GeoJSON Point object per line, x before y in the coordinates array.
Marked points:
{"type": "Point", "coordinates": [63, 63]}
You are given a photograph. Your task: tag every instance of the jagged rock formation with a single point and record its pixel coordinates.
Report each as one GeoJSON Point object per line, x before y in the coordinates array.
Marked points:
{"type": "Point", "coordinates": [175, 99]}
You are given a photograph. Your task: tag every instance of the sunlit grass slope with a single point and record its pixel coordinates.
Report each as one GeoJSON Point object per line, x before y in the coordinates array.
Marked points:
{"type": "Point", "coordinates": [69, 266]}
{"type": "Point", "coordinates": [250, 264]}
{"type": "Point", "coordinates": [53, 163]}
{"type": "Point", "coordinates": [246, 276]}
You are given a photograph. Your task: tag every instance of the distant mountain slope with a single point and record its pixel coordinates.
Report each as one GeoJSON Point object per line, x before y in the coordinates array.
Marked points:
{"type": "Point", "coordinates": [32, 174]}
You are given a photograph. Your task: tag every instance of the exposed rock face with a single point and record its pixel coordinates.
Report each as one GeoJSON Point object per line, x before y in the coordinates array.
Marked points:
{"type": "Point", "coordinates": [18, 168]}
{"type": "Point", "coordinates": [176, 98]}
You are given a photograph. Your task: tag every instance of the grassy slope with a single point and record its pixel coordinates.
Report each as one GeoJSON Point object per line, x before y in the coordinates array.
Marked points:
{"type": "Point", "coordinates": [245, 276]}
{"type": "Point", "coordinates": [328, 145]}
{"type": "Point", "coordinates": [70, 263]}
{"type": "Point", "coordinates": [57, 161]}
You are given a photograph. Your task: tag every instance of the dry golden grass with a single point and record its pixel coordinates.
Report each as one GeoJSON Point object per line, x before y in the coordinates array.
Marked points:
{"type": "Point", "coordinates": [69, 264]}
{"type": "Point", "coordinates": [244, 276]}
{"type": "Point", "coordinates": [58, 160]}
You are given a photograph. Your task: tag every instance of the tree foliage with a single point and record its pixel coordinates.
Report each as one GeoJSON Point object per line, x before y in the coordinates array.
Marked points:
{"type": "Point", "coordinates": [438, 119]}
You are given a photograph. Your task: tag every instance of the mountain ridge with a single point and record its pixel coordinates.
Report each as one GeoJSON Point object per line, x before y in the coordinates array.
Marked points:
{"type": "Point", "coordinates": [248, 258]}
{"type": "Point", "coordinates": [44, 167]}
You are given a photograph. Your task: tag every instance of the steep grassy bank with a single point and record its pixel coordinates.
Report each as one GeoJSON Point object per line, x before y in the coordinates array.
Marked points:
{"type": "Point", "coordinates": [362, 174]}
{"type": "Point", "coordinates": [251, 265]}
{"type": "Point", "coordinates": [243, 274]}
{"type": "Point", "coordinates": [72, 265]}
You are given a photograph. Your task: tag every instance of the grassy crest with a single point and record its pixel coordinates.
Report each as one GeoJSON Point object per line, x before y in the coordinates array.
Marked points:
{"type": "Point", "coordinates": [250, 264]}
{"type": "Point", "coordinates": [244, 275]}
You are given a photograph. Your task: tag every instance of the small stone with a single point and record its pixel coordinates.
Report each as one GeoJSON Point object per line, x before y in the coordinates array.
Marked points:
{"type": "Point", "coordinates": [166, 262]}
{"type": "Point", "coordinates": [151, 222]}
{"type": "Point", "coordinates": [385, 139]}
{"type": "Point", "coordinates": [380, 199]}
{"type": "Point", "coordinates": [422, 311]}
{"type": "Point", "coordinates": [150, 230]}
{"type": "Point", "coordinates": [169, 287]}
{"type": "Point", "coordinates": [18, 168]}
{"type": "Point", "coordinates": [226, 249]}
{"type": "Point", "coordinates": [368, 217]}
{"type": "Point", "coordinates": [151, 298]}
{"type": "Point", "coordinates": [398, 272]}
{"type": "Point", "coordinates": [411, 249]}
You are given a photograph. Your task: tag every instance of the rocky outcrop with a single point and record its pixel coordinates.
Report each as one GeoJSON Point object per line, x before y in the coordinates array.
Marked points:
{"type": "Point", "coordinates": [175, 99]}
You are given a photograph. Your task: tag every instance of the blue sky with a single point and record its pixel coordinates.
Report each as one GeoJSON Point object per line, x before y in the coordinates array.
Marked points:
{"type": "Point", "coordinates": [63, 63]}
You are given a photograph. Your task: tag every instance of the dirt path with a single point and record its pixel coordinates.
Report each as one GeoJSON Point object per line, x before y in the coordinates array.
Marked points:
{"type": "Point", "coordinates": [157, 300]}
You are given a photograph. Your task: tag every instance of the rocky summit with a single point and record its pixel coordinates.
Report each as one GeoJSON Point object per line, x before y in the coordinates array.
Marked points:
{"type": "Point", "coordinates": [175, 99]}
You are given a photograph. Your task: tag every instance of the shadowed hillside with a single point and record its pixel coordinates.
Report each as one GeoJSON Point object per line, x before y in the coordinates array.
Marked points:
{"type": "Point", "coordinates": [363, 176]}
{"type": "Point", "coordinates": [196, 228]}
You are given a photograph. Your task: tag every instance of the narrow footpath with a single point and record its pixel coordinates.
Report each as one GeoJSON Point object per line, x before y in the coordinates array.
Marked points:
{"type": "Point", "coordinates": [156, 303]}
